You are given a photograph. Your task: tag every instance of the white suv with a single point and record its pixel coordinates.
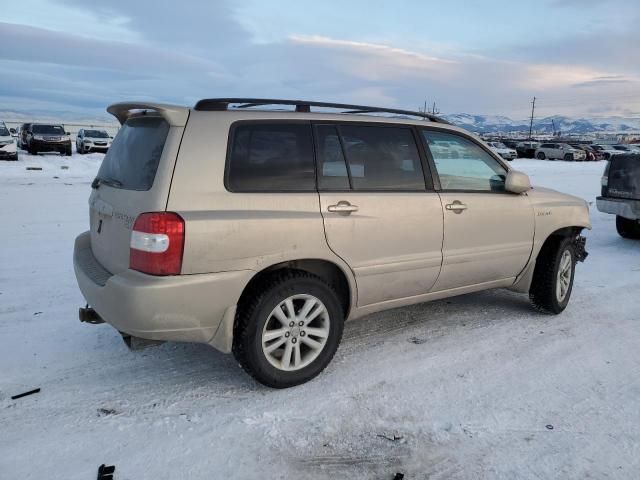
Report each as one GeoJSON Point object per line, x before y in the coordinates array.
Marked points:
{"type": "Point", "coordinates": [502, 150]}
{"type": "Point", "coordinates": [8, 147]}
{"type": "Point", "coordinates": [560, 151]}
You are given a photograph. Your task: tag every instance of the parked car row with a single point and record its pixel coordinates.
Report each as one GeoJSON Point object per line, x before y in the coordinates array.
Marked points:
{"type": "Point", "coordinates": [558, 150]}
{"type": "Point", "coordinates": [52, 137]}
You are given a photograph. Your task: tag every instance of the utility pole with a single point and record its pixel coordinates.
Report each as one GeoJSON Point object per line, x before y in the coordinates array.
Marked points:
{"type": "Point", "coordinates": [533, 107]}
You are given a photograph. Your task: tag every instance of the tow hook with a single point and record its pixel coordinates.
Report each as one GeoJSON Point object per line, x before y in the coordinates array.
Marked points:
{"type": "Point", "coordinates": [89, 315]}
{"type": "Point", "coordinates": [579, 247]}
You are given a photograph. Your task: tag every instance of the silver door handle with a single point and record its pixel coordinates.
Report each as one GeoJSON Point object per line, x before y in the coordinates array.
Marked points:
{"type": "Point", "coordinates": [456, 207]}
{"type": "Point", "coordinates": [342, 207]}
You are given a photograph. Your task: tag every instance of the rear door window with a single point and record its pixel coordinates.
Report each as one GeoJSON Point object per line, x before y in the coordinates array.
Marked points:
{"type": "Point", "coordinates": [276, 157]}
{"type": "Point", "coordinates": [132, 160]}
{"type": "Point", "coordinates": [368, 158]}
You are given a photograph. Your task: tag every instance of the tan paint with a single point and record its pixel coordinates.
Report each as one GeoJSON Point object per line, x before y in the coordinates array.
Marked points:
{"type": "Point", "coordinates": [396, 249]}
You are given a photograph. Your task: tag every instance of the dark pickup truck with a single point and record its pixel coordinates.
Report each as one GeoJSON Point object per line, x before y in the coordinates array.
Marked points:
{"type": "Point", "coordinates": [621, 193]}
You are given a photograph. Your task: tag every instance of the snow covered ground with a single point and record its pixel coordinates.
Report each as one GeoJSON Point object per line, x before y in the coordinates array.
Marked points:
{"type": "Point", "coordinates": [478, 386]}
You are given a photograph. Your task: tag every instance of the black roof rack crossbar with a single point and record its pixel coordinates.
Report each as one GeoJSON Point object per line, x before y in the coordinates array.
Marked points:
{"type": "Point", "coordinates": [221, 104]}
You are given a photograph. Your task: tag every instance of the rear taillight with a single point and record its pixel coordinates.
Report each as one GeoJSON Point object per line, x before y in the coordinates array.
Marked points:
{"type": "Point", "coordinates": [157, 243]}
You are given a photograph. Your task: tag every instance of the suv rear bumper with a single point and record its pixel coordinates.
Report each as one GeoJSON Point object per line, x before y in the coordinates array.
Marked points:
{"type": "Point", "coordinates": [626, 208]}
{"type": "Point", "coordinates": [184, 308]}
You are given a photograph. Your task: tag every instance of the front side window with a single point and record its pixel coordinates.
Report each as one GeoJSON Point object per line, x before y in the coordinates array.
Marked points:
{"type": "Point", "coordinates": [464, 165]}
{"type": "Point", "coordinates": [363, 157]}
{"type": "Point", "coordinates": [271, 157]}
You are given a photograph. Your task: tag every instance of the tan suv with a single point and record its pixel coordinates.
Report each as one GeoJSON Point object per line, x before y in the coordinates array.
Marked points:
{"type": "Point", "coordinates": [260, 232]}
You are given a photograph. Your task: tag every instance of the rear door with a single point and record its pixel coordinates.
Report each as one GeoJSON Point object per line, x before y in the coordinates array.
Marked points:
{"type": "Point", "coordinates": [488, 232]}
{"type": "Point", "coordinates": [134, 178]}
{"type": "Point", "coordinates": [379, 216]}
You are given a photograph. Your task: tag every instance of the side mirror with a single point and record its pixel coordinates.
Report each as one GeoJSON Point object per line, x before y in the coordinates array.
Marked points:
{"type": "Point", "coordinates": [12, 130]}
{"type": "Point", "coordinates": [517, 182]}
{"type": "Point", "coordinates": [66, 133]}
{"type": "Point", "coordinates": [111, 138]}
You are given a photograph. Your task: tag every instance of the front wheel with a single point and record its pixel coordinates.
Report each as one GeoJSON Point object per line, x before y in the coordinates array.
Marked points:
{"type": "Point", "coordinates": [628, 228]}
{"type": "Point", "coordinates": [541, 156]}
{"type": "Point", "coordinates": [568, 157]}
{"type": "Point", "coordinates": [288, 329]}
{"type": "Point", "coordinates": [552, 281]}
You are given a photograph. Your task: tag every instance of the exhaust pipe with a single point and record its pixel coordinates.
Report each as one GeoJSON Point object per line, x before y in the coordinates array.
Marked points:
{"type": "Point", "coordinates": [89, 315]}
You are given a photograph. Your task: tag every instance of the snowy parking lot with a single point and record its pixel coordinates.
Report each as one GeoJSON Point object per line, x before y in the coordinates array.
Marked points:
{"type": "Point", "coordinates": [477, 386]}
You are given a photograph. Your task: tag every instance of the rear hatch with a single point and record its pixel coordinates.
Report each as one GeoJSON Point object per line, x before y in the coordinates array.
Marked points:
{"type": "Point", "coordinates": [623, 177]}
{"type": "Point", "coordinates": [134, 178]}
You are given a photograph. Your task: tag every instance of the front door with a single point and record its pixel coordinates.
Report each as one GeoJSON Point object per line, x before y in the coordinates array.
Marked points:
{"type": "Point", "coordinates": [379, 215]}
{"type": "Point", "coordinates": [488, 232]}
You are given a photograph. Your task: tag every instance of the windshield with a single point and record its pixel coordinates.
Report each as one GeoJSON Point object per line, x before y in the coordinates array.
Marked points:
{"type": "Point", "coordinates": [499, 145]}
{"type": "Point", "coordinates": [48, 129]}
{"type": "Point", "coordinates": [96, 134]}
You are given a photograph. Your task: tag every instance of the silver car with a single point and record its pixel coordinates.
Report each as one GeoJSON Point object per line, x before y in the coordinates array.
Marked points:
{"type": "Point", "coordinates": [92, 140]}
{"type": "Point", "coordinates": [260, 232]}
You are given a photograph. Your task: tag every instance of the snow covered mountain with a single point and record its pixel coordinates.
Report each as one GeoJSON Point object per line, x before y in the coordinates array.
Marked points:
{"type": "Point", "coordinates": [501, 124]}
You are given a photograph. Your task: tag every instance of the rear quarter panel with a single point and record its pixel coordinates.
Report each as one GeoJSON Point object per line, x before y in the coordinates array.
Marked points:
{"type": "Point", "coordinates": [228, 231]}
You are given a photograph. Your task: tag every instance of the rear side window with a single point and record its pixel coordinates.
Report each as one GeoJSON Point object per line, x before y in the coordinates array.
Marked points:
{"type": "Point", "coordinates": [271, 157]}
{"type": "Point", "coordinates": [368, 158]}
{"type": "Point", "coordinates": [132, 160]}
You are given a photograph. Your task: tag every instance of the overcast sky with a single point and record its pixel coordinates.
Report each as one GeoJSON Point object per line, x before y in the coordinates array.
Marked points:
{"type": "Point", "coordinates": [579, 57]}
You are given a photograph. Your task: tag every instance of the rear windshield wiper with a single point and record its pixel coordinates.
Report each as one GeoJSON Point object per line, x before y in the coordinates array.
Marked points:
{"type": "Point", "coordinates": [112, 182]}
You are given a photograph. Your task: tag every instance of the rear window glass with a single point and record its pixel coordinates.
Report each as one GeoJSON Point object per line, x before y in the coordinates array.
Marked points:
{"type": "Point", "coordinates": [132, 160]}
{"type": "Point", "coordinates": [271, 157]}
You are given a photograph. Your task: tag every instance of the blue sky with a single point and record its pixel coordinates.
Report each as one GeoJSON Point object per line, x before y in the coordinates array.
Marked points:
{"type": "Point", "coordinates": [71, 57]}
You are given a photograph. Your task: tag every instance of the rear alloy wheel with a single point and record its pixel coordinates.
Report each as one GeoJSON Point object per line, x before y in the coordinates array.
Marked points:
{"type": "Point", "coordinates": [288, 329]}
{"type": "Point", "coordinates": [568, 157]}
{"type": "Point", "coordinates": [628, 228]}
{"type": "Point", "coordinates": [552, 281]}
{"type": "Point", "coordinates": [541, 156]}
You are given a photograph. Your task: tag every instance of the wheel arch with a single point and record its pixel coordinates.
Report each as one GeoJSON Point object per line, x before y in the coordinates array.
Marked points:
{"type": "Point", "coordinates": [523, 282]}
{"type": "Point", "coordinates": [329, 271]}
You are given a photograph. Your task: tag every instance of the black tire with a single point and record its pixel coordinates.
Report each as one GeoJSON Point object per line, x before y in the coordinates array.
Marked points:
{"type": "Point", "coordinates": [68, 152]}
{"type": "Point", "coordinates": [541, 156]}
{"type": "Point", "coordinates": [254, 311]}
{"type": "Point", "coordinates": [628, 228]}
{"type": "Point", "coordinates": [33, 150]}
{"type": "Point", "coordinates": [80, 150]}
{"type": "Point", "coordinates": [15, 157]}
{"type": "Point", "coordinates": [543, 290]}
{"type": "Point", "coordinates": [568, 157]}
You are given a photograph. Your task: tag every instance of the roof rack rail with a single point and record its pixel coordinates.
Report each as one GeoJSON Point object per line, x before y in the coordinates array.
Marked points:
{"type": "Point", "coordinates": [222, 104]}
